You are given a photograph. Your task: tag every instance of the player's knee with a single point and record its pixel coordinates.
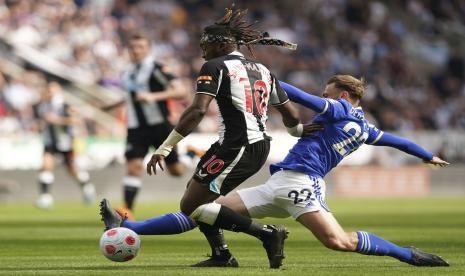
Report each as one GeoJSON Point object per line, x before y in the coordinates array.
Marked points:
{"type": "Point", "coordinates": [135, 167]}
{"type": "Point", "coordinates": [206, 213]}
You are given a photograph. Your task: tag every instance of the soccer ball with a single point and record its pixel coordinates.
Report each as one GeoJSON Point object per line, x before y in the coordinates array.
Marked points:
{"type": "Point", "coordinates": [120, 244]}
{"type": "Point", "coordinates": [45, 201]}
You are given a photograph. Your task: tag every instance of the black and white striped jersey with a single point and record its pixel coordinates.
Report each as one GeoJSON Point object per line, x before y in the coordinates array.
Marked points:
{"type": "Point", "coordinates": [147, 76]}
{"type": "Point", "coordinates": [59, 137]}
{"type": "Point", "coordinates": [243, 89]}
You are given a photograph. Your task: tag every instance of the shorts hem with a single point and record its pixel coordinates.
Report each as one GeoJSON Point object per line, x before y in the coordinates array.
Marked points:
{"type": "Point", "coordinates": [308, 210]}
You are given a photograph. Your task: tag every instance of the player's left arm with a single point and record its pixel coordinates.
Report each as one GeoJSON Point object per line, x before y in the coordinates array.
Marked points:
{"type": "Point", "coordinates": [290, 116]}
{"type": "Point", "coordinates": [174, 88]}
{"type": "Point", "coordinates": [405, 145]}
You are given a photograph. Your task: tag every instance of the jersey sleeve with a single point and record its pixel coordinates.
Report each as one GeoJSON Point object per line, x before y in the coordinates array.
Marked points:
{"type": "Point", "coordinates": [277, 95]}
{"type": "Point", "coordinates": [374, 134]}
{"type": "Point", "coordinates": [299, 96]}
{"type": "Point", "coordinates": [160, 76]}
{"type": "Point", "coordinates": [334, 110]}
{"type": "Point", "coordinates": [209, 79]}
{"type": "Point", "coordinates": [405, 145]}
{"type": "Point", "coordinates": [166, 74]}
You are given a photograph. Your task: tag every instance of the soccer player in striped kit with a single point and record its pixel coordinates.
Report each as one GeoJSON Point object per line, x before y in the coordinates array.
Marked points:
{"type": "Point", "coordinates": [148, 87]}
{"type": "Point", "coordinates": [243, 90]}
{"type": "Point", "coordinates": [58, 121]}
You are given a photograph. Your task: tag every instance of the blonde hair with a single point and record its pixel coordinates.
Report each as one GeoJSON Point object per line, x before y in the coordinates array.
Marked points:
{"type": "Point", "coordinates": [355, 87]}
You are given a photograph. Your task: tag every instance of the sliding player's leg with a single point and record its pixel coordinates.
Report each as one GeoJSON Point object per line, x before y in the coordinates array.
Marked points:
{"type": "Point", "coordinates": [232, 215]}
{"type": "Point", "coordinates": [328, 231]}
{"type": "Point", "coordinates": [172, 223]}
{"type": "Point", "coordinates": [199, 191]}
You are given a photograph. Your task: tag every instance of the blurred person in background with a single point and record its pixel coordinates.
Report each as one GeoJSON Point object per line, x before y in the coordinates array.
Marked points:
{"type": "Point", "coordinates": [149, 87]}
{"type": "Point", "coordinates": [4, 108]}
{"type": "Point", "coordinates": [57, 122]}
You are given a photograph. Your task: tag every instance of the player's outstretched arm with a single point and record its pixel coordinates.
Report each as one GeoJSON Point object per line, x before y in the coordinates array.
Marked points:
{"type": "Point", "coordinates": [189, 120]}
{"type": "Point", "coordinates": [405, 145]}
{"type": "Point", "coordinates": [299, 96]}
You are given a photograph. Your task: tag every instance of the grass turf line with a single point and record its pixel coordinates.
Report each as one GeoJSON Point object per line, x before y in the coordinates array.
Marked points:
{"type": "Point", "coordinates": [64, 241]}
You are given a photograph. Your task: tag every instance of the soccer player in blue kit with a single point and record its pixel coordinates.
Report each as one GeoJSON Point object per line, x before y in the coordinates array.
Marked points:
{"type": "Point", "coordinates": [297, 188]}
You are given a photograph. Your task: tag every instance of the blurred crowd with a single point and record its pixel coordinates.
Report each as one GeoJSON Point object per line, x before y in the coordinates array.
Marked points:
{"type": "Point", "coordinates": [411, 53]}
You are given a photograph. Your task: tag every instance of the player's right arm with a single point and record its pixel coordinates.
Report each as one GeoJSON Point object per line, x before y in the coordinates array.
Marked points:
{"type": "Point", "coordinates": [279, 100]}
{"type": "Point", "coordinates": [299, 96]}
{"type": "Point", "coordinates": [328, 108]}
{"type": "Point", "coordinates": [380, 138]}
{"type": "Point", "coordinates": [55, 119]}
{"type": "Point", "coordinates": [208, 85]}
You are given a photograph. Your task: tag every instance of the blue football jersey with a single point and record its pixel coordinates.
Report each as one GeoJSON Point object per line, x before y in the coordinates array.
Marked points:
{"type": "Point", "coordinates": [345, 130]}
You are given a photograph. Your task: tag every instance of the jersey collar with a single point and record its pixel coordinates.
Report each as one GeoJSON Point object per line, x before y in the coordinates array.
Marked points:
{"type": "Point", "coordinates": [236, 53]}
{"type": "Point", "coordinates": [146, 61]}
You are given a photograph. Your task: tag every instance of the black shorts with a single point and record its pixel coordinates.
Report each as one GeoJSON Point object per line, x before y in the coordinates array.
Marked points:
{"type": "Point", "coordinates": [68, 156]}
{"type": "Point", "coordinates": [223, 168]}
{"type": "Point", "coordinates": [139, 141]}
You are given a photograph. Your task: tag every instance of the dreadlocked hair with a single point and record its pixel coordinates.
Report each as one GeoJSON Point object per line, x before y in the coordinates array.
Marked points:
{"type": "Point", "coordinates": [233, 28]}
{"type": "Point", "coordinates": [243, 32]}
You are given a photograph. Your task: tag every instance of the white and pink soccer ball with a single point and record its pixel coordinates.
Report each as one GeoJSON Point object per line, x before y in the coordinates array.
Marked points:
{"type": "Point", "coordinates": [120, 244]}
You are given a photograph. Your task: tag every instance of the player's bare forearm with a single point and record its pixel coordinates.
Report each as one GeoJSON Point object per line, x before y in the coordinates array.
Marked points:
{"type": "Point", "coordinates": [189, 120]}
{"type": "Point", "coordinates": [289, 113]}
{"type": "Point", "coordinates": [58, 120]}
{"type": "Point", "coordinates": [114, 105]}
{"type": "Point", "coordinates": [194, 114]}
{"type": "Point", "coordinates": [174, 91]}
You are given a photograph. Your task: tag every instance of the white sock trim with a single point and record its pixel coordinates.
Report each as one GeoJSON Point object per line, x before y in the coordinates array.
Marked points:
{"type": "Point", "coordinates": [132, 181]}
{"type": "Point", "coordinates": [206, 213]}
{"type": "Point", "coordinates": [83, 177]}
{"type": "Point", "coordinates": [46, 177]}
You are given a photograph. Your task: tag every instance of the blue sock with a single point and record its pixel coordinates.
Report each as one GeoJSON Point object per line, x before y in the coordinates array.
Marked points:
{"type": "Point", "coordinates": [173, 223]}
{"type": "Point", "coordinates": [370, 244]}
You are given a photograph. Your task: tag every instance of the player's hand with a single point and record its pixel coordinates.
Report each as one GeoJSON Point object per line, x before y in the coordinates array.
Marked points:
{"type": "Point", "coordinates": [311, 128]}
{"type": "Point", "coordinates": [145, 97]}
{"type": "Point", "coordinates": [436, 161]}
{"type": "Point", "coordinates": [152, 164]}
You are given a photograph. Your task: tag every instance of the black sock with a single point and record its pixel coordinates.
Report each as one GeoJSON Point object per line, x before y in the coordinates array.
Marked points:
{"type": "Point", "coordinates": [82, 184]}
{"type": "Point", "coordinates": [130, 193]}
{"type": "Point", "coordinates": [44, 188]}
{"type": "Point", "coordinates": [216, 240]}
{"type": "Point", "coordinates": [229, 220]}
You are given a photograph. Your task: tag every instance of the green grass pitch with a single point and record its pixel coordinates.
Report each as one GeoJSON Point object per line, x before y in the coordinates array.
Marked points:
{"type": "Point", "coordinates": [64, 241]}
